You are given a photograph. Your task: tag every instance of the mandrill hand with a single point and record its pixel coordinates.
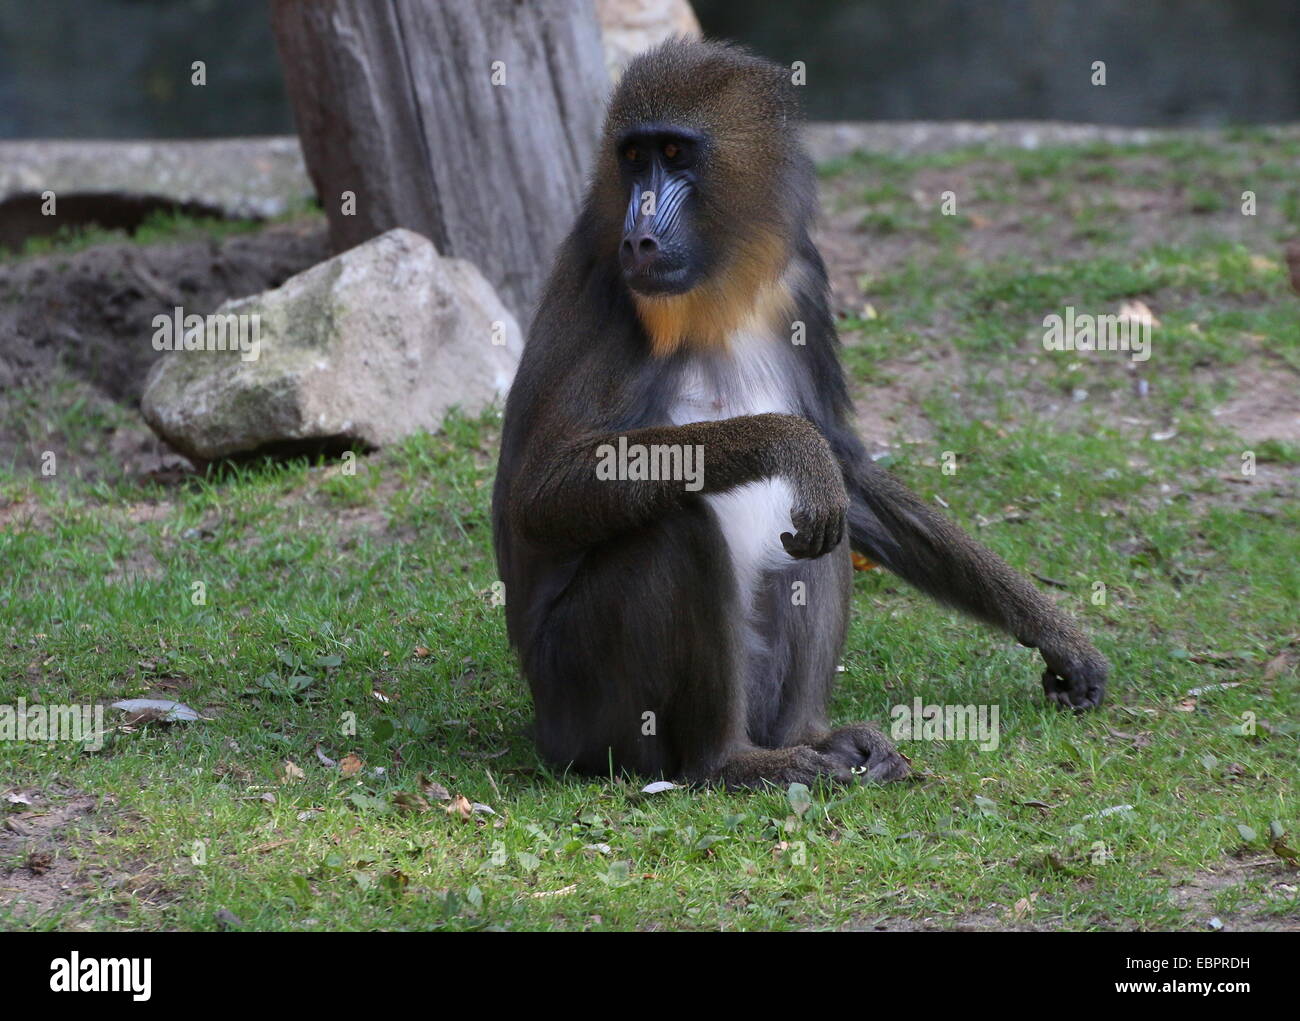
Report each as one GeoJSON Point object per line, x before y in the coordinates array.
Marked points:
{"type": "Point", "coordinates": [822, 504]}
{"type": "Point", "coordinates": [1076, 674]}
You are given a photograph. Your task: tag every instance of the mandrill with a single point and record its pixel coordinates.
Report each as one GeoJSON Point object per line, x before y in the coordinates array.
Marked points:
{"type": "Point", "coordinates": [680, 484]}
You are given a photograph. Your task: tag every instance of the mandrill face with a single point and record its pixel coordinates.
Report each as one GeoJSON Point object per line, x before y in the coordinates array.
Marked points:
{"type": "Point", "coordinates": [701, 192]}
{"type": "Point", "coordinates": [661, 252]}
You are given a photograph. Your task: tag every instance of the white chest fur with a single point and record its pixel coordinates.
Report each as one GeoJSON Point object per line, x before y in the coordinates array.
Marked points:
{"type": "Point", "coordinates": [750, 378]}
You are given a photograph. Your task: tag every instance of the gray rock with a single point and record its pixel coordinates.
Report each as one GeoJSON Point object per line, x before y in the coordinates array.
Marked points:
{"type": "Point", "coordinates": [370, 346]}
{"type": "Point", "coordinates": [629, 27]}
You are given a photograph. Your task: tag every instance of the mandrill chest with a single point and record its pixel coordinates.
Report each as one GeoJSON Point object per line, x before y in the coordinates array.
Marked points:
{"type": "Point", "coordinates": [751, 376]}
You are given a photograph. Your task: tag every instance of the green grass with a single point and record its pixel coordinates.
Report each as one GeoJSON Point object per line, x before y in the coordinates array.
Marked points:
{"type": "Point", "coordinates": [159, 227]}
{"type": "Point", "coordinates": [325, 591]}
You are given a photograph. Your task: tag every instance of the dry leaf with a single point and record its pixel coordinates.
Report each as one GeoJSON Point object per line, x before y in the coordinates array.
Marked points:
{"type": "Point", "coordinates": [1293, 264]}
{"type": "Point", "coordinates": [459, 806]}
{"type": "Point", "coordinates": [156, 710]}
{"type": "Point", "coordinates": [224, 768]}
{"type": "Point", "coordinates": [861, 563]}
{"type": "Point", "coordinates": [350, 765]}
{"type": "Point", "coordinates": [433, 789]}
{"type": "Point", "coordinates": [290, 773]}
{"type": "Point", "coordinates": [1142, 740]}
{"type": "Point", "coordinates": [1138, 313]}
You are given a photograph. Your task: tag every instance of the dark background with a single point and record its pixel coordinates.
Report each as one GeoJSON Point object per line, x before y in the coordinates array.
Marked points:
{"type": "Point", "coordinates": [121, 68]}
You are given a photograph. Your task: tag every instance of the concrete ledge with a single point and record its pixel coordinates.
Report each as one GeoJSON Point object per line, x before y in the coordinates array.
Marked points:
{"type": "Point", "coordinates": [245, 178]}
{"type": "Point", "coordinates": [828, 140]}
{"type": "Point", "coordinates": [265, 177]}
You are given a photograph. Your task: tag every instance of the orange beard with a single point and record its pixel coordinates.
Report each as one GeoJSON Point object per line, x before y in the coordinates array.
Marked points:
{"type": "Point", "coordinates": [749, 293]}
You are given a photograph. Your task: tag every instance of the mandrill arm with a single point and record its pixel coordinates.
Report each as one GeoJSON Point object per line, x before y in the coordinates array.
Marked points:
{"type": "Point", "coordinates": [898, 530]}
{"type": "Point", "coordinates": [557, 500]}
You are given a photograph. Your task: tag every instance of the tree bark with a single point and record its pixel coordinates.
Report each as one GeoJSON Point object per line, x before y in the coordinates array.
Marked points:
{"type": "Point", "coordinates": [470, 121]}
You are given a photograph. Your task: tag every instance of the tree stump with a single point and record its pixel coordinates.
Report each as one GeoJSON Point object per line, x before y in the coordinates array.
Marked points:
{"type": "Point", "coordinates": [471, 122]}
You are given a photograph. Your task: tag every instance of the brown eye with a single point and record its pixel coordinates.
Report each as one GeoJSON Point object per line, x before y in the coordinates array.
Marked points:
{"type": "Point", "coordinates": [631, 154]}
{"type": "Point", "coordinates": [671, 151]}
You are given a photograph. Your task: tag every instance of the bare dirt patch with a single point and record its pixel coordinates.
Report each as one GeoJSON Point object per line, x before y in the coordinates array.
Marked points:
{"type": "Point", "coordinates": [1196, 896]}
{"type": "Point", "coordinates": [975, 921]}
{"type": "Point", "coordinates": [1265, 404]}
{"type": "Point", "coordinates": [76, 329]}
{"type": "Point", "coordinates": [21, 514]}
{"type": "Point", "coordinates": [93, 310]}
{"type": "Point", "coordinates": [39, 870]}
{"type": "Point", "coordinates": [891, 412]}
{"type": "Point", "coordinates": [88, 315]}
